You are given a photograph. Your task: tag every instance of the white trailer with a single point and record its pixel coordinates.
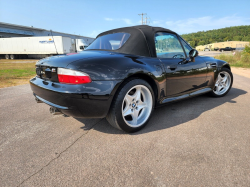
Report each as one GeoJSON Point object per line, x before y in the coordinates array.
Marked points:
{"type": "Point", "coordinates": [36, 47]}
{"type": "Point", "coordinates": [81, 44]}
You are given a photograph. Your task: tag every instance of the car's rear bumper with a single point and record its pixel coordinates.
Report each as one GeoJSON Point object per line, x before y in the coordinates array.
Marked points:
{"type": "Point", "coordinates": [82, 101]}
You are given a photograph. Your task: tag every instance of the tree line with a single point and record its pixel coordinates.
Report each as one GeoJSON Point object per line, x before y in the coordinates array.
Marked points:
{"type": "Point", "coordinates": [238, 33]}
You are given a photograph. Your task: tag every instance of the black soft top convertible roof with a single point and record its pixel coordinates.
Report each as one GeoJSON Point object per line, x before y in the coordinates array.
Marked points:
{"type": "Point", "coordinates": [141, 42]}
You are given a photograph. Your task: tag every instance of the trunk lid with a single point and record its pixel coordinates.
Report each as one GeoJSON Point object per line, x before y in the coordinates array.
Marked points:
{"type": "Point", "coordinates": [47, 68]}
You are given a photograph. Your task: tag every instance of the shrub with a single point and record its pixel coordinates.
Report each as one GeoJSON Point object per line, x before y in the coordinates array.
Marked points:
{"type": "Point", "coordinates": [246, 51]}
{"type": "Point", "coordinates": [238, 59]}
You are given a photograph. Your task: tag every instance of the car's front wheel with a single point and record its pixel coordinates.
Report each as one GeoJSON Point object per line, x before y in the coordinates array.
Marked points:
{"type": "Point", "coordinates": [132, 106]}
{"type": "Point", "coordinates": [223, 83]}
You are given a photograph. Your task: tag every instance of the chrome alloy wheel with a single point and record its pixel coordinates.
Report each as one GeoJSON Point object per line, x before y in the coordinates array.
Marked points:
{"type": "Point", "coordinates": [137, 106]}
{"type": "Point", "coordinates": [223, 83]}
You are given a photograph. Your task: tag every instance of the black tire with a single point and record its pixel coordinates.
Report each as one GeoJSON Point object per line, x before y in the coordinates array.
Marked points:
{"type": "Point", "coordinates": [115, 117]}
{"type": "Point", "coordinates": [7, 57]}
{"type": "Point", "coordinates": [12, 57]}
{"type": "Point", "coordinates": [212, 93]}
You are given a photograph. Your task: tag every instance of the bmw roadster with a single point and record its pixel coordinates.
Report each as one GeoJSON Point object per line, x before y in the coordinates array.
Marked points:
{"type": "Point", "coordinates": [125, 73]}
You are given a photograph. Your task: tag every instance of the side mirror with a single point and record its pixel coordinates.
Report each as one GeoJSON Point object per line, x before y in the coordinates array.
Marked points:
{"type": "Point", "coordinates": [192, 54]}
{"type": "Point", "coordinates": [81, 47]}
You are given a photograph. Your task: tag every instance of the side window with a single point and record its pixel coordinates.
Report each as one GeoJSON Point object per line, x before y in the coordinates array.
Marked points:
{"type": "Point", "coordinates": [168, 46]}
{"type": "Point", "coordinates": [186, 47]}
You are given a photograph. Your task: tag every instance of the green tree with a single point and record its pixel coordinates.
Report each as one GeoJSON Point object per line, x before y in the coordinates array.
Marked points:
{"type": "Point", "coordinates": [239, 33]}
{"type": "Point", "coordinates": [226, 39]}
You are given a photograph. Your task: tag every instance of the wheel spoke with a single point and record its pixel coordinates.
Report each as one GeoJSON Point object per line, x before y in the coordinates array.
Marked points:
{"type": "Point", "coordinates": [135, 117]}
{"type": "Point", "coordinates": [138, 94]}
{"type": "Point", "coordinates": [218, 89]}
{"type": "Point", "coordinates": [219, 78]}
{"type": "Point", "coordinates": [224, 79]}
{"type": "Point", "coordinates": [128, 99]}
{"type": "Point", "coordinates": [141, 105]}
{"type": "Point", "coordinates": [127, 111]}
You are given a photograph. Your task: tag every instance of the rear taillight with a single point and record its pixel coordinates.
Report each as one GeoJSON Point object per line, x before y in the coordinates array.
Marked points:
{"type": "Point", "coordinates": [72, 77]}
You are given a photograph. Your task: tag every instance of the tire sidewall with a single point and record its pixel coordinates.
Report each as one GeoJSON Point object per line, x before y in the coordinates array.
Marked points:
{"type": "Point", "coordinates": [118, 109]}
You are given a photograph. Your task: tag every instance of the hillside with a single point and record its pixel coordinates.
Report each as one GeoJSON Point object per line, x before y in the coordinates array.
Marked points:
{"type": "Point", "coordinates": [238, 33]}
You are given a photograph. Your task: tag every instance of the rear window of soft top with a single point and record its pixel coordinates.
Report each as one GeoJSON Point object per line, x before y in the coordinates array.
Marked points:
{"type": "Point", "coordinates": [110, 41]}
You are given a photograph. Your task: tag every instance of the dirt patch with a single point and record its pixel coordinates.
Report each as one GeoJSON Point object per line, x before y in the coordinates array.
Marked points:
{"type": "Point", "coordinates": [241, 71]}
{"type": "Point", "coordinates": [13, 74]}
{"type": "Point", "coordinates": [15, 82]}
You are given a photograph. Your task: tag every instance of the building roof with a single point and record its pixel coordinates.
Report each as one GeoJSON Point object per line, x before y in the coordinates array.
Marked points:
{"type": "Point", "coordinates": [14, 26]}
{"type": "Point", "coordinates": [19, 26]}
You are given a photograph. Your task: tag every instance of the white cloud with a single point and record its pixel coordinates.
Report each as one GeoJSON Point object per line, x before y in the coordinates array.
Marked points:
{"type": "Point", "coordinates": [127, 21]}
{"type": "Point", "coordinates": [205, 23]}
{"type": "Point", "coordinates": [187, 25]}
{"type": "Point", "coordinates": [109, 19]}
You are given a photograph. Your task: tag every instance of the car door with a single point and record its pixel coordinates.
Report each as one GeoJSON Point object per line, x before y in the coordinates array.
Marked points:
{"type": "Point", "coordinates": [182, 75]}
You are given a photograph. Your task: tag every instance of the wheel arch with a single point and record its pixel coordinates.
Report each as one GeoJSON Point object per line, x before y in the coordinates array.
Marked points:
{"type": "Point", "coordinates": [144, 77]}
{"type": "Point", "coordinates": [222, 64]}
{"type": "Point", "coordinates": [226, 66]}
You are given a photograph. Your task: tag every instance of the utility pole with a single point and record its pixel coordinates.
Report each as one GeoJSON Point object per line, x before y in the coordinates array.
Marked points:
{"type": "Point", "coordinates": [142, 17]}
{"type": "Point", "coordinates": [146, 20]}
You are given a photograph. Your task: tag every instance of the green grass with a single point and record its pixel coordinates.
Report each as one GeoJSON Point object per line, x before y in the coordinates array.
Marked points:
{"type": "Point", "coordinates": [239, 59]}
{"type": "Point", "coordinates": [16, 73]}
{"type": "Point", "coordinates": [12, 74]}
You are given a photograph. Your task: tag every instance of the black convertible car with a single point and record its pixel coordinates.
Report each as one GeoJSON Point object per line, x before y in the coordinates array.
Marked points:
{"type": "Point", "coordinates": [125, 73]}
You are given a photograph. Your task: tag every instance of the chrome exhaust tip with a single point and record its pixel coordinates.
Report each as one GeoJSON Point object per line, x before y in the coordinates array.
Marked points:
{"type": "Point", "coordinates": [38, 101]}
{"type": "Point", "coordinates": [54, 111]}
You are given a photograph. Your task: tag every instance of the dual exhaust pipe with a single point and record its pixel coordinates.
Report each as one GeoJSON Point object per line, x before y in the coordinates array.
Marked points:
{"type": "Point", "coordinates": [52, 110]}
{"type": "Point", "coordinates": [37, 100]}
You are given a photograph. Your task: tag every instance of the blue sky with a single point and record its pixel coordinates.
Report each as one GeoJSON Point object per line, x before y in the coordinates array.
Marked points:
{"type": "Point", "coordinates": [90, 17]}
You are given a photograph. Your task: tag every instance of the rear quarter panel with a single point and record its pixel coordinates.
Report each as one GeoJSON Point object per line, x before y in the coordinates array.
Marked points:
{"type": "Point", "coordinates": [118, 67]}
{"type": "Point", "coordinates": [121, 67]}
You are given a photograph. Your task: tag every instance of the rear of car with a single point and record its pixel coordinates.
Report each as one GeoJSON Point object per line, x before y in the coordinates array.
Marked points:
{"type": "Point", "coordinates": [70, 91]}
{"type": "Point", "coordinates": [75, 84]}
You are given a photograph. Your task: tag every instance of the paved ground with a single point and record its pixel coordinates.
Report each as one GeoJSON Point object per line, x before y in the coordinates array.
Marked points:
{"type": "Point", "coordinates": [202, 141]}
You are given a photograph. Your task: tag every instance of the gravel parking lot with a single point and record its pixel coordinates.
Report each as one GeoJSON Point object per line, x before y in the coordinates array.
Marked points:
{"type": "Point", "coordinates": [202, 141]}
